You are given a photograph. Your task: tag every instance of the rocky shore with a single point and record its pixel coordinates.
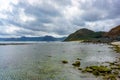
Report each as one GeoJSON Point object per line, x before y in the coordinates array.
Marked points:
{"type": "Point", "coordinates": [106, 70]}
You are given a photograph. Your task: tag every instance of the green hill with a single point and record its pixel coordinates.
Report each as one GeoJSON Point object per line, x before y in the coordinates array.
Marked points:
{"type": "Point", "coordinates": [84, 34]}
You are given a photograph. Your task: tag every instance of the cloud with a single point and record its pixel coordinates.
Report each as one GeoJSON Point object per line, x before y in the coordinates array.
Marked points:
{"type": "Point", "coordinates": [56, 17]}
{"type": "Point", "coordinates": [101, 10]}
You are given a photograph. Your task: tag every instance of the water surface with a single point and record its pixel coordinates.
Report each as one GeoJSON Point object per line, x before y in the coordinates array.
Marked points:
{"type": "Point", "coordinates": [42, 61]}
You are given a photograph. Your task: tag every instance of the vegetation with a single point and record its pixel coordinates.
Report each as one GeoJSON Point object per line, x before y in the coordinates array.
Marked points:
{"type": "Point", "coordinates": [87, 35]}
{"type": "Point", "coordinates": [98, 70]}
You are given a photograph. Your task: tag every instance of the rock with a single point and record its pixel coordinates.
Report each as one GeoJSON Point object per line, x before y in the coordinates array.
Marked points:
{"type": "Point", "coordinates": [101, 68]}
{"type": "Point", "coordinates": [79, 59]}
{"type": "Point", "coordinates": [49, 56]}
{"type": "Point", "coordinates": [116, 72]}
{"type": "Point", "coordinates": [88, 69]}
{"type": "Point", "coordinates": [111, 63]}
{"type": "Point", "coordinates": [109, 77]}
{"type": "Point", "coordinates": [104, 69]}
{"type": "Point", "coordinates": [98, 70]}
{"type": "Point", "coordinates": [114, 67]}
{"type": "Point", "coordinates": [119, 76]}
{"type": "Point", "coordinates": [64, 61]}
{"type": "Point", "coordinates": [114, 33]}
{"type": "Point", "coordinates": [79, 68]}
{"type": "Point", "coordinates": [96, 73]}
{"type": "Point", "coordinates": [76, 63]}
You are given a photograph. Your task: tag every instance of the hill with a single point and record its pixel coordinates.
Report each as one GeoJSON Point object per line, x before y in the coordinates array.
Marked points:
{"type": "Point", "coordinates": [84, 34]}
{"type": "Point", "coordinates": [114, 33]}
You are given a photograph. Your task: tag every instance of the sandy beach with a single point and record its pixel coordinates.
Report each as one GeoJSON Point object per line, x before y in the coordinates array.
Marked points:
{"type": "Point", "coordinates": [116, 43]}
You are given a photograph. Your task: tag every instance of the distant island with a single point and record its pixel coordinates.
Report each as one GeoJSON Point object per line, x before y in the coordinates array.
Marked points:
{"type": "Point", "coordinates": [87, 35]}
{"type": "Point", "coordinates": [44, 38]}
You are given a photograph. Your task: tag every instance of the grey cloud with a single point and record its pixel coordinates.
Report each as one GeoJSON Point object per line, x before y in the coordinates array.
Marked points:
{"type": "Point", "coordinates": [44, 13]}
{"type": "Point", "coordinates": [101, 10]}
{"type": "Point", "coordinates": [50, 19]}
{"type": "Point", "coordinates": [78, 22]}
{"type": "Point", "coordinates": [92, 15]}
{"type": "Point", "coordinates": [63, 2]}
{"type": "Point", "coordinates": [22, 33]}
{"type": "Point", "coordinates": [1, 23]}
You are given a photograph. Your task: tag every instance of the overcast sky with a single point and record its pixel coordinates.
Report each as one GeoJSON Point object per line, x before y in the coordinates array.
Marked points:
{"type": "Point", "coordinates": [56, 17]}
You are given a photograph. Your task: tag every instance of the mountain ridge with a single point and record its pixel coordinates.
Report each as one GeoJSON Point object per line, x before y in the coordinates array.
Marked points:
{"type": "Point", "coordinates": [44, 38]}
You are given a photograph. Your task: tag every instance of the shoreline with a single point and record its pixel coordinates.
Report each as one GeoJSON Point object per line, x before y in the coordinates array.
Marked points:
{"type": "Point", "coordinates": [15, 43]}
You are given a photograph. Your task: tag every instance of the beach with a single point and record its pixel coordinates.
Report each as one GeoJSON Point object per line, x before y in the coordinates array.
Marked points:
{"type": "Point", "coordinates": [116, 43]}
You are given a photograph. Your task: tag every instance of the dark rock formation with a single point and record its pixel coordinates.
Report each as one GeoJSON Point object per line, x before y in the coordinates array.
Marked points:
{"type": "Point", "coordinates": [114, 33]}
{"type": "Point", "coordinates": [64, 61]}
{"type": "Point", "coordinates": [76, 63]}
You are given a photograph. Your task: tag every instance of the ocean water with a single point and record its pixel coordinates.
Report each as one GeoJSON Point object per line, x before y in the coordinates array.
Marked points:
{"type": "Point", "coordinates": [43, 60]}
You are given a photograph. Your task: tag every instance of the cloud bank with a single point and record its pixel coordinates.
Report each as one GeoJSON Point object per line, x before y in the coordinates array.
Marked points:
{"type": "Point", "coordinates": [56, 17]}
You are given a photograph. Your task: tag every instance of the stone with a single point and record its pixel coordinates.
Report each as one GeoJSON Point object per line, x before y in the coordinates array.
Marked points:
{"type": "Point", "coordinates": [64, 61]}
{"type": "Point", "coordinates": [76, 63]}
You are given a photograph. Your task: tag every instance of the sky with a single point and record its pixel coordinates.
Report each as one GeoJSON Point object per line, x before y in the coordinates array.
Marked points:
{"type": "Point", "coordinates": [56, 18]}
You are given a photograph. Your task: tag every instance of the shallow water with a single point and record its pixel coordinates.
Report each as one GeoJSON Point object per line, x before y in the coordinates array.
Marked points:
{"type": "Point", "coordinates": [42, 61]}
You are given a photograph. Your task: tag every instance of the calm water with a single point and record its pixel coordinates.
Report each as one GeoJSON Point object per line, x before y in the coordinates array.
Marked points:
{"type": "Point", "coordinates": [42, 61]}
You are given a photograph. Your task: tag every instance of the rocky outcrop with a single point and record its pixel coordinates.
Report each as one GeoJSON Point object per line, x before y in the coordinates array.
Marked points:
{"type": "Point", "coordinates": [114, 33]}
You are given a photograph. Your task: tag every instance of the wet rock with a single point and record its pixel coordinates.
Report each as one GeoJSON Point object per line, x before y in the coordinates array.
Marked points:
{"type": "Point", "coordinates": [115, 72]}
{"type": "Point", "coordinates": [119, 76]}
{"type": "Point", "coordinates": [49, 56]}
{"type": "Point", "coordinates": [96, 73]}
{"type": "Point", "coordinates": [114, 67]}
{"type": "Point", "coordinates": [64, 61]}
{"type": "Point", "coordinates": [79, 59]}
{"type": "Point", "coordinates": [79, 68]}
{"type": "Point", "coordinates": [88, 69]}
{"type": "Point", "coordinates": [99, 51]}
{"type": "Point", "coordinates": [98, 70]}
{"type": "Point", "coordinates": [109, 77]}
{"type": "Point", "coordinates": [104, 69]}
{"type": "Point", "coordinates": [76, 63]}
{"type": "Point", "coordinates": [111, 63]}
